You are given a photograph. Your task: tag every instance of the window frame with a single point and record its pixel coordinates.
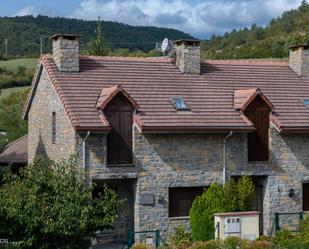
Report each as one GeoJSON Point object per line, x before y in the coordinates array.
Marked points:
{"type": "Point", "coordinates": [53, 124]}
{"type": "Point", "coordinates": [174, 208]}
{"type": "Point", "coordinates": [184, 106]}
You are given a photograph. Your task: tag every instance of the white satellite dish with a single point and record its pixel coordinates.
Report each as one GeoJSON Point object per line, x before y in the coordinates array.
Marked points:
{"type": "Point", "coordinates": [166, 47]}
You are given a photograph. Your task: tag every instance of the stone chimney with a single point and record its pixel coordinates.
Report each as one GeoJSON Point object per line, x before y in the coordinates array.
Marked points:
{"type": "Point", "coordinates": [299, 60]}
{"type": "Point", "coordinates": [66, 52]}
{"type": "Point", "coordinates": [188, 56]}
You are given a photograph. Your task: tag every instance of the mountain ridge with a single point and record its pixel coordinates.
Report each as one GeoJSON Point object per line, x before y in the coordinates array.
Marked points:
{"type": "Point", "coordinates": [24, 34]}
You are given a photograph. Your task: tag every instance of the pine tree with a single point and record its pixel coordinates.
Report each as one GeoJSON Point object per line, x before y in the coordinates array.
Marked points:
{"type": "Point", "coordinates": [97, 45]}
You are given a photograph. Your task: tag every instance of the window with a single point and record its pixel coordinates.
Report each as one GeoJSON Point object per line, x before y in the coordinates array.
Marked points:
{"type": "Point", "coordinates": [179, 104]}
{"type": "Point", "coordinates": [119, 114]}
{"type": "Point", "coordinates": [306, 102]}
{"type": "Point", "coordinates": [181, 199]}
{"type": "Point", "coordinates": [53, 127]}
{"type": "Point", "coordinates": [258, 141]}
{"type": "Point", "coordinates": [305, 196]}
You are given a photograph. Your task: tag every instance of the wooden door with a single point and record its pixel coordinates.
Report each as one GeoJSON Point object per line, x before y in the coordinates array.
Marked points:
{"type": "Point", "coordinates": [258, 199]}
{"type": "Point", "coordinates": [305, 196]}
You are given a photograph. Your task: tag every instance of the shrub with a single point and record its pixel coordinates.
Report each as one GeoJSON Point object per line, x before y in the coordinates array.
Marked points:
{"type": "Point", "coordinates": [181, 237]}
{"type": "Point", "coordinates": [139, 246]}
{"type": "Point", "coordinates": [233, 197]}
{"type": "Point", "coordinates": [235, 243]}
{"type": "Point", "coordinates": [286, 239]}
{"type": "Point", "coordinates": [212, 244]}
{"type": "Point", "coordinates": [261, 244]}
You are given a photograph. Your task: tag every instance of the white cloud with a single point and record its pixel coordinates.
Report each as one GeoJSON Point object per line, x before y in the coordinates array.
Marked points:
{"type": "Point", "coordinates": [31, 10]}
{"type": "Point", "coordinates": [200, 19]}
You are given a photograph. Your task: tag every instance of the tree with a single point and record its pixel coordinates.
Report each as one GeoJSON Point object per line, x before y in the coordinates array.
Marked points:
{"type": "Point", "coordinates": [97, 45]}
{"type": "Point", "coordinates": [235, 196]}
{"type": "Point", "coordinates": [48, 206]}
{"type": "Point", "coordinates": [11, 122]}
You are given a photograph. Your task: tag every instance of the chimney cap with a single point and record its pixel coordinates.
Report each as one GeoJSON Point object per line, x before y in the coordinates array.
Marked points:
{"type": "Point", "coordinates": [188, 42]}
{"type": "Point", "coordinates": [305, 46]}
{"type": "Point", "coordinates": [66, 36]}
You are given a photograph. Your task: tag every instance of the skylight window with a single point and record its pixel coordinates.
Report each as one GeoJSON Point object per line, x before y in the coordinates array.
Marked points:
{"type": "Point", "coordinates": [306, 102]}
{"type": "Point", "coordinates": [179, 104]}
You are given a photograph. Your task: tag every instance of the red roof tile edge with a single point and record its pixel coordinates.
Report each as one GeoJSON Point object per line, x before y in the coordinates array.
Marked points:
{"type": "Point", "coordinates": [43, 63]}
{"type": "Point", "coordinates": [107, 94]}
{"type": "Point", "coordinates": [246, 96]}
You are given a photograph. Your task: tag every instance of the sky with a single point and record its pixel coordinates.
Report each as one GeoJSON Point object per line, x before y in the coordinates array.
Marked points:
{"type": "Point", "coordinates": [200, 18]}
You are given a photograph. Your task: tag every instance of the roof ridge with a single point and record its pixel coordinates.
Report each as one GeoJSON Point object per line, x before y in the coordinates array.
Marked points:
{"type": "Point", "coordinates": [133, 58]}
{"type": "Point", "coordinates": [248, 62]}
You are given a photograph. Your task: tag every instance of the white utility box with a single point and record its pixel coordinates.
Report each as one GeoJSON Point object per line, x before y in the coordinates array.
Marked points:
{"type": "Point", "coordinates": [239, 224]}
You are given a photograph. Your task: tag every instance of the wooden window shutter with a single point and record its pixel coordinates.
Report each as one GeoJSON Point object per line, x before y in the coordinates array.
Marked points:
{"type": "Point", "coordinates": [258, 141]}
{"type": "Point", "coordinates": [119, 114]}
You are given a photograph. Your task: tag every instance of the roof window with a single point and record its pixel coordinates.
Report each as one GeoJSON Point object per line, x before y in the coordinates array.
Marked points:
{"type": "Point", "coordinates": [179, 104]}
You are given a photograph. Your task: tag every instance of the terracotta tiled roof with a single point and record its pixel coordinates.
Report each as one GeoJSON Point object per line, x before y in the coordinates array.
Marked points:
{"type": "Point", "coordinates": [243, 98]}
{"type": "Point", "coordinates": [15, 152]}
{"type": "Point", "coordinates": [152, 81]}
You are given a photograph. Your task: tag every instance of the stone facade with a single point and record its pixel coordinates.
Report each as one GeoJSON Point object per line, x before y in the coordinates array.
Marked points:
{"type": "Point", "coordinates": [162, 161]}
{"type": "Point", "coordinates": [66, 53]}
{"type": "Point", "coordinates": [45, 102]}
{"type": "Point", "coordinates": [299, 60]}
{"type": "Point", "coordinates": [188, 57]}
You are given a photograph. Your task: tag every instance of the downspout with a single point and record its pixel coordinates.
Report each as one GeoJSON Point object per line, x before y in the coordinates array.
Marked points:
{"type": "Point", "coordinates": [224, 159]}
{"type": "Point", "coordinates": [84, 154]}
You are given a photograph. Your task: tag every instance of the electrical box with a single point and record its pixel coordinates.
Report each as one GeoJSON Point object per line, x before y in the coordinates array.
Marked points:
{"type": "Point", "coordinates": [239, 224]}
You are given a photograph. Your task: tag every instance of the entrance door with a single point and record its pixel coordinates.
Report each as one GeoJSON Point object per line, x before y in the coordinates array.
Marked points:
{"type": "Point", "coordinates": [305, 196]}
{"type": "Point", "coordinates": [258, 203]}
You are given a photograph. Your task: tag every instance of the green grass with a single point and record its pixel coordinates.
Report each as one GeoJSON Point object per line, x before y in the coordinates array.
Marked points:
{"type": "Point", "coordinates": [14, 63]}
{"type": "Point", "coordinates": [6, 92]}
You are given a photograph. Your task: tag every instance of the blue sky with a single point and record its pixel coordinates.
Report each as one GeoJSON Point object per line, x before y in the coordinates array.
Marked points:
{"type": "Point", "coordinates": [196, 17]}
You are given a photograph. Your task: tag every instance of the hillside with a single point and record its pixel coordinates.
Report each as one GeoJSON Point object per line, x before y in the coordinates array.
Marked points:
{"type": "Point", "coordinates": [257, 42]}
{"type": "Point", "coordinates": [23, 34]}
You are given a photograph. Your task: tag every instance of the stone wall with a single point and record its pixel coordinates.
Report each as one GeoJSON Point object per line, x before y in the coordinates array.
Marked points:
{"type": "Point", "coordinates": [46, 101]}
{"type": "Point", "coordinates": [178, 160]}
{"type": "Point", "coordinates": [290, 156]}
{"type": "Point", "coordinates": [162, 161]}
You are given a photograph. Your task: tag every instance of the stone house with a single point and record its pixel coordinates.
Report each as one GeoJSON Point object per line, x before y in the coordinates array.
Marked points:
{"type": "Point", "coordinates": [160, 130]}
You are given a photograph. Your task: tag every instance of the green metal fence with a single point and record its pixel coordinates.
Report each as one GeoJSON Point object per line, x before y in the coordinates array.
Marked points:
{"type": "Point", "coordinates": [289, 221]}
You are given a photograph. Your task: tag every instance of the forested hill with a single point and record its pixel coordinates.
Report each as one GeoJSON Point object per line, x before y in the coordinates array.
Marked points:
{"type": "Point", "coordinates": [258, 42]}
{"type": "Point", "coordinates": [23, 34]}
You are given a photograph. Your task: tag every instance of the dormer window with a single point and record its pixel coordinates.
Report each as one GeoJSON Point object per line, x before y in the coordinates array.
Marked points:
{"type": "Point", "coordinates": [179, 104]}
{"type": "Point", "coordinates": [306, 102]}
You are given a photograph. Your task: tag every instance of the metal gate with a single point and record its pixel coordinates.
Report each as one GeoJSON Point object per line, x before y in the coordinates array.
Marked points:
{"type": "Point", "coordinates": [289, 221]}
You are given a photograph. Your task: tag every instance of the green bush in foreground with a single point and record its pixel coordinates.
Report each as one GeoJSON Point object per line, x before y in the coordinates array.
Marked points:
{"type": "Point", "coordinates": [139, 246]}
{"type": "Point", "coordinates": [181, 237]}
{"type": "Point", "coordinates": [48, 206]}
{"type": "Point", "coordinates": [233, 197]}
